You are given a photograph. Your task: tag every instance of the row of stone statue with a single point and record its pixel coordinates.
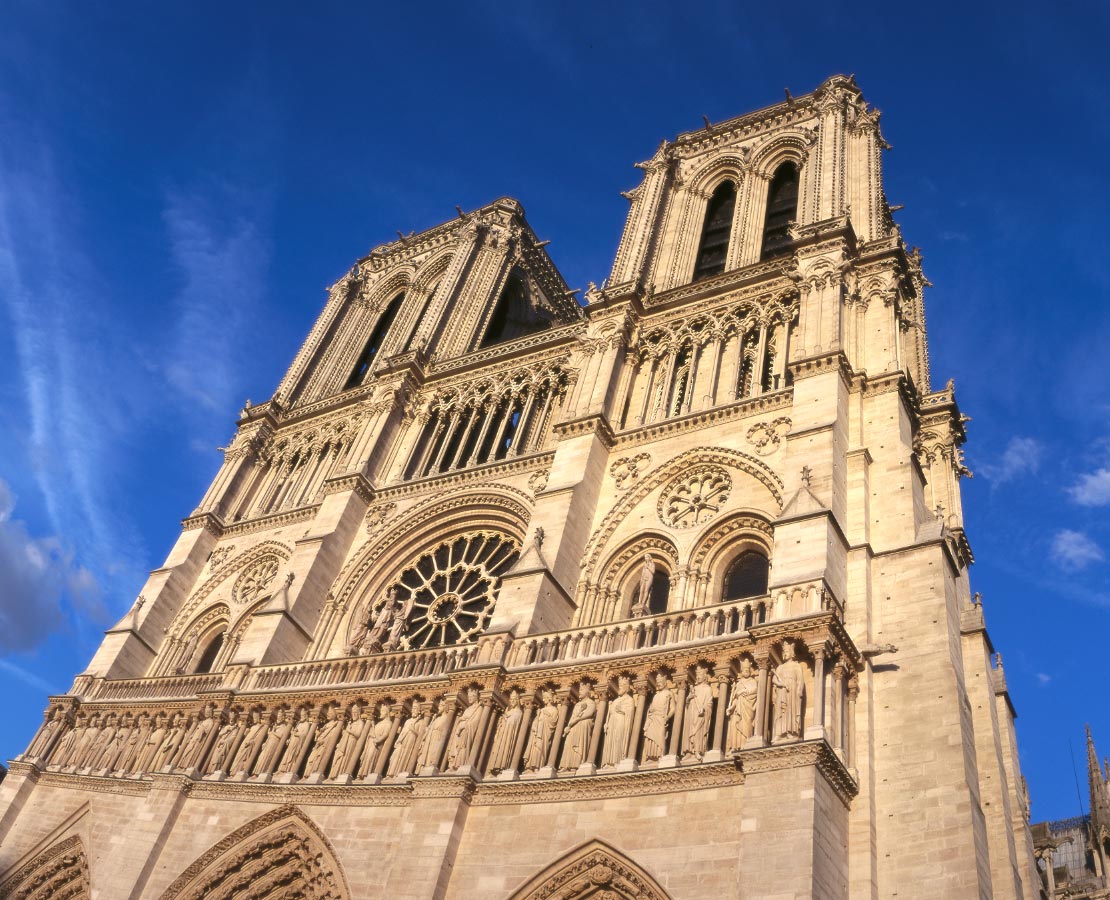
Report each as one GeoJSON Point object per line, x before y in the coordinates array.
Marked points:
{"type": "Point", "coordinates": [359, 743]}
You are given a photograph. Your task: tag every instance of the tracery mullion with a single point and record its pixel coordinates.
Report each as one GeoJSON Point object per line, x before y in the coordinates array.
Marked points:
{"type": "Point", "coordinates": [540, 434]}
{"type": "Point", "coordinates": [426, 443]}
{"type": "Point", "coordinates": [449, 430]}
{"type": "Point", "coordinates": [521, 433]}
{"type": "Point", "coordinates": [483, 432]}
{"type": "Point", "coordinates": [458, 461]}
{"type": "Point", "coordinates": [692, 376]}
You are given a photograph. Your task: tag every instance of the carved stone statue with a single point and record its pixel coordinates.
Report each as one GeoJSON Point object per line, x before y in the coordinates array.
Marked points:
{"type": "Point", "coordinates": [699, 716]}
{"type": "Point", "coordinates": [172, 743]}
{"type": "Point", "coordinates": [115, 747]}
{"type": "Point", "coordinates": [151, 745]}
{"type": "Point", "coordinates": [65, 748]}
{"type": "Point", "coordinates": [397, 626]}
{"type": "Point", "coordinates": [658, 719]}
{"type": "Point", "coordinates": [541, 733]}
{"type": "Point", "coordinates": [431, 748]}
{"type": "Point", "coordinates": [327, 735]}
{"type": "Point", "coordinates": [407, 748]}
{"type": "Point", "coordinates": [741, 708]}
{"type": "Point", "coordinates": [464, 734]}
{"type": "Point", "coordinates": [642, 606]}
{"type": "Point", "coordinates": [375, 742]}
{"type": "Point", "coordinates": [298, 739]}
{"type": "Point", "coordinates": [220, 758]}
{"type": "Point", "coordinates": [789, 685]}
{"type": "Point", "coordinates": [97, 748]}
{"type": "Point", "coordinates": [378, 633]}
{"type": "Point", "coordinates": [346, 748]}
{"type": "Point", "coordinates": [618, 724]}
{"type": "Point", "coordinates": [193, 749]}
{"type": "Point", "coordinates": [270, 755]}
{"type": "Point", "coordinates": [85, 742]}
{"type": "Point", "coordinates": [186, 656]}
{"type": "Point", "coordinates": [128, 759]}
{"type": "Point", "coordinates": [50, 729]}
{"type": "Point", "coordinates": [579, 729]}
{"type": "Point", "coordinates": [504, 739]}
{"type": "Point", "coordinates": [251, 744]}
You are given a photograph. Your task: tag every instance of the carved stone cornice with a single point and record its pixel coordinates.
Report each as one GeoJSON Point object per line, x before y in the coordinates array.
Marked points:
{"type": "Point", "coordinates": [800, 755]}
{"type": "Point", "coordinates": [355, 481]}
{"type": "Point", "coordinates": [272, 520]}
{"type": "Point", "coordinates": [594, 424]}
{"type": "Point", "coordinates": [135, 787]}
{"type": "Point", "coordinates": [766, 277]}
{"type": "Point", "coordinates": [209, 521]}
{"type": "Point", "coordinates": [739, 409]}
{"type": "Point", "coordinates": [836, 361]}
{"type": "Point", "coordinates": [451, 480]}
{"type": "Point", "coordinates": [552, 339]}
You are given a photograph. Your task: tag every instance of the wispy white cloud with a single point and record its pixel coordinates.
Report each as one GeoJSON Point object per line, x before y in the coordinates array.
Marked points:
{"type": "Point", "coordinates": [1043, 678]}
{"type": "Point", "coordinates": [1074, 549]}
{"type": "Point", "coordinates": [1092, 488]}
{"type": "Point", "coordinates": [27, 677]}
{"type": "Point", "coordinates": [222, 257]}
{"type": "Point", "coordinates": [1022, 456]}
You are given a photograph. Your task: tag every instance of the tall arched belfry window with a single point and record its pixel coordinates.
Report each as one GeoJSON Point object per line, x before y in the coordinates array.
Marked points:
{"type": "Point", "coordinates": [208, 657]}
{"type": "Point", "coordinates": [716, 231]}
{"type": "Point", "coordinates": [782, 209]}
{"type": "Point", "coordinates": [513, 316]}
{"type": "Point", "coordinates": [377, 337]}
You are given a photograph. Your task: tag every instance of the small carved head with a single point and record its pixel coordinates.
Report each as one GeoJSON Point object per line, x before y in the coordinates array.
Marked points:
{"type": "Point", "coordinates": [472, 695]}
{"type": "Point", "coordinates": [586, 690]}
{"type": "Point", "coordinates": [232, 716]}
{"type": "Point", "coordinates": [746, 667]}
{"type": "Point", "coordinates": [514, 699]}
{"type": "Point", "coordinates": [624, 684]}
{"type": "Point", "coordinates": [383, 710]}
{"type": "Point", "coordinates": [548, 697]}
{"type": "Point", "coordinates": [701, 674]}
{"type": "Point", "coordinates": [356, 711]}
{"type": "Point", "coordinates": [787, 650]}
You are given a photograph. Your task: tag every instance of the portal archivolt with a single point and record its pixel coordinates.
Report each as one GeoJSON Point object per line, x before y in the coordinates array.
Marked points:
{"type": "Point", "coordinates": [281, 855]}
{"type": "Point", "coordinates": [60, 872]}
{"type": "Point", "coordinates": [594, 871]}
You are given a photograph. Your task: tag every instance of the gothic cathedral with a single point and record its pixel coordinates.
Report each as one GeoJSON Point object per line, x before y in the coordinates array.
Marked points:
{"type": "Point", "coordinates": [660, 594]}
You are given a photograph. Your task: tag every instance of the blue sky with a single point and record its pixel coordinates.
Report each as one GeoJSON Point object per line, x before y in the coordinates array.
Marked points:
{"type": "Point", "coordinates": [179, 183]}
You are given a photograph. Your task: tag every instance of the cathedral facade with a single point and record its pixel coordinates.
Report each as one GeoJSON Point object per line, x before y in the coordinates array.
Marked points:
{"type": "Point", "coordinates": [661, 594]}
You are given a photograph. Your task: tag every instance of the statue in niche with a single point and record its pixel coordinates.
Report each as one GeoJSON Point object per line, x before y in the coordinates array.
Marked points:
{"type": "Point", "coordinates": [186, 655]}
{"type": "Point", "coordinates": [152, 744]}
{"type": "Point", "coordinates": [250, 746]}
{"type": "Point", "coordinates": [270, 755]}
{"type": "Point", "coordinates": [327, 735]}
{"type": "Point", "coordinates": [347, 745]}
{"type": "Point", "coordinates": [657, 722]}
{"type": "Point", "coordinates": [504, 739]}
{"type": "Point", "coordinates": [579, 730]}
{"type": "Point", "coordinates": [407, 748]}
{"type": "Point", "coordinates": [197, 740]}
{"type": "Point", "coordinates": [106, 736]}
{"type": "Point", "coordinates": [699, 716]}
{"type": "Point", "coordinates": [431, 748]}
{"type": "Point", "coordinates": [741, 708]}
{"type": "Point", "coordinates": [174, 739]}
{"type": "Point", "coordinates": [136, 741]}
{"type": "Point", "coordinates": [642, 606]}
{"type": "Point", "coordinates": [789, 685]}
{"type": "Point", "coordinates": [543, 730]}
{"type": "Point", "coordinates": [618, 724]}
{"type": "Point", "coordinates": [53, 725]}
{"type": "Point", "coordinates": [87, 739]}
{"type": "Point", "coordinates": [219, 759]}
{"type": "Point", "coordinates": [375, 742]}
{"type": "Point", "coordinates": [298, 739]}
{"type": "Point", "coordinates": [465, 732]}
{"type": "Point", "coordinates": [68, 744]}
{"type": "Point", "coordinates": [107, 760]}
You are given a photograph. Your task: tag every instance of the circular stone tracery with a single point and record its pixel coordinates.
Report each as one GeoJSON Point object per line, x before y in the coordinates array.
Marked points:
{"type": "Point", "coordinates": [255, 580]}
{"type": "Point", "coordinates": [694, 497]}
{"type": "Point", "coordinates": [452, 589]}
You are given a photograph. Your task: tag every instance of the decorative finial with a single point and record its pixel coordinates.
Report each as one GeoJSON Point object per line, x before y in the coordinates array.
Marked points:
{"type": "Point", "coordinates": [998, 660]}
{"type": "Point", "coordinates": [807, 476]}
{"type": "Point", "coordinates": [289, 579]}
{"type": "Point", "coordinates": [538, 537]}
{"type": "Point", "coordinates": [708, 125]}
{"type": "Point", "coordinates": [939, 511]}
{"type": "Point", "coordinates": [140, 603]}
{"type": "Point", "coordinates": [977, 599]}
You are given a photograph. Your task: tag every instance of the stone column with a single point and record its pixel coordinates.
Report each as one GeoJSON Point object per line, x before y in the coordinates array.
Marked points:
{"type": "Point", "coordinates": [850, 751]}
{"type": "Point", "coordinates": [480, 735]}
{"type": "Point", "coordinates": [838, 711]}
{"type": "Point", "coordinates": [387, 747]}
{"type": "Point", "coordinates": [641, 688]}
{"type": "Point", "coordinates": [557, 739]}
{"type": "Point", "coordinates": [817, 728]}
{"type": "Point", "coordinates": [589, 765]}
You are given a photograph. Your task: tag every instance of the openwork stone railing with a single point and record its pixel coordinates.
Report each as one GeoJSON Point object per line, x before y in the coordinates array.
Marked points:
{"type": "Point", "coordinates": [163, 688]}
{"type": "Point", "coordinates": [363, 669]}
{"type": "Point", "coordinates": [639, 634]}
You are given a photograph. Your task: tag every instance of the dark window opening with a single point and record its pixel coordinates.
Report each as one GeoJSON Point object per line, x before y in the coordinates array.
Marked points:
{"type": "Point", "coordinates": [782, 209]}
{"type": "Point", "coordinates": [716, 232]}
{"type": "Point", "coordinates": [747, 576]}
{"type": "Point", "coordinates": [513, 316]}
{"type": "Point", "coordinates": [208, 657]}
{"type": "Point", "coordinates": [510, 430]}
{"type": "Point", "coordinates": [377, 337]}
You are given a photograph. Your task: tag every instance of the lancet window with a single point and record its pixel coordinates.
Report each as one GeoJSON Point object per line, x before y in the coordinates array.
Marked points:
{"type": "Point", "coordinates": [746, 576]}
{"type": "Point", "coordinates": [716, 232]}
{"type": "Point", "coordinates": [373, 345]}
{"type": "Point", "coordinates": [468, 429]}
{"type": "Point", "coordinates": [513, 316]}
{"type": "Point", "coordinates": [211, 651]}
{"type": "Point", "coordinates": [782, 209]}
{"type": "Point", "coordinates": [700, 363]}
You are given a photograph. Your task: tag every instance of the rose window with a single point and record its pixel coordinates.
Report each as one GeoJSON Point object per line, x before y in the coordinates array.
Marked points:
{"type": "Point", "coordinates": [255, 580]}
{"type": "Point", "coordinates": [451, 589]}
{"type": "Point", "coordinates": [695, 497]}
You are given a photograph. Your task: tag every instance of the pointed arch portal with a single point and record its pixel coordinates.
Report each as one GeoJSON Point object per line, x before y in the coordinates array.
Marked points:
{"type": "Point", "coordinates": [281, 855]}
{"type": "Point", "coordinates": [60, 872]}
{"type": "Point", "coordinates": [594, 871]}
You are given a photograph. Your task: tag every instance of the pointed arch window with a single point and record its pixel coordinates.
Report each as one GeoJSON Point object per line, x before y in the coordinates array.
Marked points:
{"type": "Point", "coordinates": [377, 338]}
{"type": "Point", "coordinates": [513, 316]}
{"type": "Point", "coordinates": [208, 657]}
{"type": "Point", "coordinates": [716, 232]}
{"type": "Point", "coordinates": [747, 576]}
{"type": "Point", "coordinates": [411, 339]}
{"type": "Point", "coordinates": [782, 209]}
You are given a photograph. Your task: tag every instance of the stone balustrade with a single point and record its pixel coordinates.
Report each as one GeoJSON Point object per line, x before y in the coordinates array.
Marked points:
{"type": "Point", "coordinates": [162, 688]}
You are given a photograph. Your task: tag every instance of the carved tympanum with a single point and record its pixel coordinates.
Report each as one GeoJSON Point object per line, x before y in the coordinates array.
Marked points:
{"type": "Point", "coordinates": [595, 870]}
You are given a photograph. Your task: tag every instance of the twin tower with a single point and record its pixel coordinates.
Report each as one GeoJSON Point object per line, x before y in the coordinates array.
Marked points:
{"type": "Point", "coordinates": [663, 595]}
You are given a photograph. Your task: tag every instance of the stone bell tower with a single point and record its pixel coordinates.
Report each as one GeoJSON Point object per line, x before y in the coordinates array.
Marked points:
{"type": "Point", "coordinates": [663, 594]}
